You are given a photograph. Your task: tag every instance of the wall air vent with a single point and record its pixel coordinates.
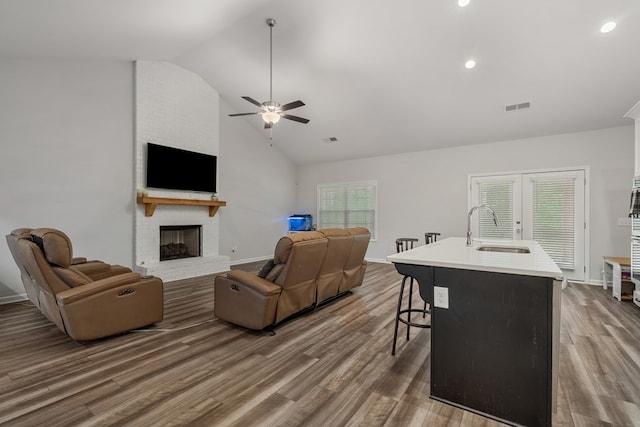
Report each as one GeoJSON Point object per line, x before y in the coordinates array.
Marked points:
{"type": "Point", "coordinates": [330, 139]}
{"type": "Point", "coordinates": [514, 107]}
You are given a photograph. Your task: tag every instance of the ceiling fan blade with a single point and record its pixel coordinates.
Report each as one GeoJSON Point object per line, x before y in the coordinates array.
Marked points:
{"type": "Point", "coordinates": [242, 114]}
{"type": "Point", "coordinates": [295, 118]}
{"type": "Point", "coordinates": [292, 105]}
{"type": "Point", "coordinates": [268, 125]}
{"type": "Point", "coordinates": [253, 101]}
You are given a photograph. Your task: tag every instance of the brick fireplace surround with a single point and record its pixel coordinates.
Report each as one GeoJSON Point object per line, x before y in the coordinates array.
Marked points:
{"type": "Point", "coordinates": [177, 108]}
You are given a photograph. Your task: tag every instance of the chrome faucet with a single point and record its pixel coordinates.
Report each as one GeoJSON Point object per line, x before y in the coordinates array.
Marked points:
{"type": "Point", "coordinates": [495, 220]}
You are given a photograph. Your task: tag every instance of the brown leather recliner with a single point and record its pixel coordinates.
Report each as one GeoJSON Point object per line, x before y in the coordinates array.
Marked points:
{"type": "Point", "coordinates": [309, 268]}
{"type": "Point", "coordinates": [86, 300]}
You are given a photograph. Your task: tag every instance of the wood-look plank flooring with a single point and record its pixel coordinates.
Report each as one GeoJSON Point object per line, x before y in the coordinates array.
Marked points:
{"type": "Point", "coordinates": [332, 367]}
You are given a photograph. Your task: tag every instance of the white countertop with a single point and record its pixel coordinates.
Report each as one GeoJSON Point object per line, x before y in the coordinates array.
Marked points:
{"type": "Point", "coordinates": [454, 253]}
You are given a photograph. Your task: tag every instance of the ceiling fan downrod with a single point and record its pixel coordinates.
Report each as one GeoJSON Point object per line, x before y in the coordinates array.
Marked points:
{"type": "Point", "coordinates": [271, 23]}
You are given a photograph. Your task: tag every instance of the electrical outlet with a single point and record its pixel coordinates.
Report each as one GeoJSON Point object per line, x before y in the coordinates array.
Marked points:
{"type": "Point", "coordinates": [440, 297]}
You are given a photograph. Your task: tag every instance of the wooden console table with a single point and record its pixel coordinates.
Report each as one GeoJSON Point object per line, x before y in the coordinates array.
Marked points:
{"type": "Point", "coordinates": [150, 204]}
{"type": "Point", "coordinates": [612, 272]}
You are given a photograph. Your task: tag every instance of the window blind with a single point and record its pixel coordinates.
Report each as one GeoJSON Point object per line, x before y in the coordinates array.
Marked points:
{"type": "Point", "coordinates": [498, 195]}
{"type": "Point", "coordinates": [553, 224]}
{"type": "Point", "coordinates": [347, 205]}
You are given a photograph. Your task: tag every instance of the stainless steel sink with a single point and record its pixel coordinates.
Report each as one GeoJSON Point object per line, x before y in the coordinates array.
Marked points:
{"type": "Point", "coordinates": [509, 249]}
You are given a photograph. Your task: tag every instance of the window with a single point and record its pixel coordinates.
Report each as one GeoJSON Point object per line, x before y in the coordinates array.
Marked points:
{"type": "Point", "coordinates": [346, 205]}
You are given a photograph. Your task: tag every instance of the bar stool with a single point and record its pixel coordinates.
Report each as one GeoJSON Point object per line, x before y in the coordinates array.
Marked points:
{"type": "Point", "coordinates": [403, 244]}
{"type": "Point", "coordinates": [430, 237]}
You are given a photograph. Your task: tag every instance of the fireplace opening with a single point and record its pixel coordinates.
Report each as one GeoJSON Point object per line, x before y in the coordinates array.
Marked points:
{"type": "Point", "coordinates": [180, 241]}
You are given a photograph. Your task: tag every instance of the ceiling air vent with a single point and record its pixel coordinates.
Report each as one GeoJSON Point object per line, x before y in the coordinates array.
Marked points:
{"type": "Point", "coordinates": [330, 139]}
{"type": "Point", "coordinates": [514, 107]}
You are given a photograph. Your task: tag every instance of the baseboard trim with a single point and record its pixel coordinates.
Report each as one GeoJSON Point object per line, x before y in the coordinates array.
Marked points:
{"type": "Point", "coordinates": [266, 257]}
{"type": "Point", "coordinates": [248, 260]}
{"type": "Point", "coordinates": [13, 298]}
{"type": "Point", "coordinates": [590, 282]}
{"type": "Point", "coordinates": [380, 260]}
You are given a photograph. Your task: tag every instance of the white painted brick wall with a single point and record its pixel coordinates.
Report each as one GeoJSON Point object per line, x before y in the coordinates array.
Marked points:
{"type": "Point", "coordinates": [177, 108]}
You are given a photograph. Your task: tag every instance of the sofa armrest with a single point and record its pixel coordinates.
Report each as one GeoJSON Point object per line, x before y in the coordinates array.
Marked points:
{"type": "Point", "coordinates": [78, 260]}
{"type": "Point", "coordinates": [251, 280]}
{"type": "Point", "coordinates": [111, 306]}
{"type": "Point", "coordinates": [72, 295]}
{"type": "Point", "coordinates": [245, 299]}
{"type": "Point", "coordinates": [98, 270]}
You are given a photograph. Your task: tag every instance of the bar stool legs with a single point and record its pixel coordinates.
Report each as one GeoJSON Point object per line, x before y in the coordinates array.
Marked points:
{"type": "Point", "coordinates": [403, 244]}
{"type": "Point", "coordinates": [400, 312]}
{"type": "Point", "coordinates": [430, 237]}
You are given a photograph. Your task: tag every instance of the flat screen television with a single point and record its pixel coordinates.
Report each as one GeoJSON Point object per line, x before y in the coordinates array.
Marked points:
{"type": "Point", "coordinates": [176, 169]}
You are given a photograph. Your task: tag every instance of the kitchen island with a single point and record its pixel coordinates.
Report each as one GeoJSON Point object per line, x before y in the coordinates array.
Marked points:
{"type": "Point", "coordinates": [495, 322]}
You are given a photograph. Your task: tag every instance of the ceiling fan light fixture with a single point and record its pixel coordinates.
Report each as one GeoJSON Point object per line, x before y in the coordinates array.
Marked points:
{"type": "Point", "coordinates": [608, 27]}
{"type": "Point", "coordinates": [271, 117]}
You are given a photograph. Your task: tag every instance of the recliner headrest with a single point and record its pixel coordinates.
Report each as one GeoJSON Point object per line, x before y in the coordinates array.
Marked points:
{"type": "Point", "coordinates": [55, 245]}
{"type": "Point", "coordinates": [355, 231]}
{"type": "Point", "coordinates": [22, 232]}
{"type": "Point", "coordinates": [334, 232]}
{"type": "Point", "coordinates": [284, 245]}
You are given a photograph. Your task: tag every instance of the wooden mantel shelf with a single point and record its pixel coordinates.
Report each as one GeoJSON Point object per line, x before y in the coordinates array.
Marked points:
{"type": "Point", "coordinates": [150, 204]}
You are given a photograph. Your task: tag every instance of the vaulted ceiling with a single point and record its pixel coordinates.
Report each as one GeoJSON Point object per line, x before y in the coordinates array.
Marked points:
{"type": "Point", "coordinates": [382, 77]}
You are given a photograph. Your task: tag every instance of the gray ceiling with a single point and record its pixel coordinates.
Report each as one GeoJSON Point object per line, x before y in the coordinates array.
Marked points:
{"type": "Point", "coordinates": [383, 77]}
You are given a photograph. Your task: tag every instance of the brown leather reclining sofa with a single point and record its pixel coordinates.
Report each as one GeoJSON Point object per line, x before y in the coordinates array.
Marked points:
{"type": "Point", "coordinates": [308, 269]}
{"type": "Point", "coordinates": [85, 299]}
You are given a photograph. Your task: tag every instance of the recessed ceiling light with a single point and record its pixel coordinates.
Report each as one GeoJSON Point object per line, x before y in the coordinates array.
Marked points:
{"type": "Point", "coordinates": [463, 3]}
{"type": "Point", "coordinates": [469, 64]}
{"type": "Point", "coordinates": [609, 26]}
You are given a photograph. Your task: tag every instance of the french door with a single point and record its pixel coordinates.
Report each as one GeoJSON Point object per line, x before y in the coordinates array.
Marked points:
{"type": "Point", "coordinates": [548, 207]}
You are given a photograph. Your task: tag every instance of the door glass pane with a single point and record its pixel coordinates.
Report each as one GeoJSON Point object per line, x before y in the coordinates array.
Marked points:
{"type": "Point", "coordinates": [553, 225]}
{"type": "Point", "coordinates": [498, 195]}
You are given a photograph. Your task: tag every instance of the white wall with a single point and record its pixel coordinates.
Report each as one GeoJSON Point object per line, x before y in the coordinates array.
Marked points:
{"type": "Point", "coordinates": [427, 190]}
{"type": "Point", "coordinates": [66, 132]}
{"type": "Point", "coordinates": [259, 185]}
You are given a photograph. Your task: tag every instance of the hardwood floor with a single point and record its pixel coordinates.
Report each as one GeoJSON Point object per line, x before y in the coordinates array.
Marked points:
{"type": "Point", "coordinates": [332, 367]}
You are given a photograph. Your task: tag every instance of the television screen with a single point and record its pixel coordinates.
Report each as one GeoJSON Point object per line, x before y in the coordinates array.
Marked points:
{"type": "Point", "coordinates": [176, 169]}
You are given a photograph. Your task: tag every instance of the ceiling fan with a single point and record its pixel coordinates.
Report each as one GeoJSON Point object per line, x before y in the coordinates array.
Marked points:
{"type": "Point", "coordinates": [270, 110]}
